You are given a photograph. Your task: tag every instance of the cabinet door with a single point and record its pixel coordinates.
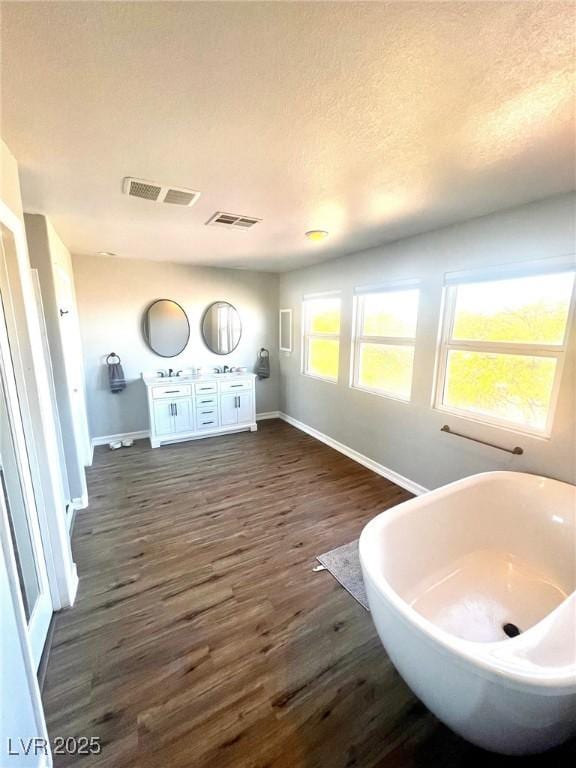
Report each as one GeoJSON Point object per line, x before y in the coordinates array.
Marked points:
{"type": "Point", "coordinates": [244, 408]}
{"type": "Point", "coordinates": [228, 410]}
{"type": "Point", "coordinates": [182, 409]}
{"type": "Point", "coordinates": [163, 417]}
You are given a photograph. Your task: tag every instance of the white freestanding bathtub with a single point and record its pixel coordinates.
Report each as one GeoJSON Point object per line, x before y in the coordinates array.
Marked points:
{"type": "Point", "coordinates": [472, 591]}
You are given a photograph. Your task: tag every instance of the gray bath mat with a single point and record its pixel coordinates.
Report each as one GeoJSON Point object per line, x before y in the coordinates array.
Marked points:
{"type": "Point", "coordinates": [344, 564]}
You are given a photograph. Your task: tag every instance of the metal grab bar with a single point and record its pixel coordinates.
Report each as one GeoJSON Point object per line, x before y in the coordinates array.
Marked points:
{"type": "Point", "coordinates": [517, 451]}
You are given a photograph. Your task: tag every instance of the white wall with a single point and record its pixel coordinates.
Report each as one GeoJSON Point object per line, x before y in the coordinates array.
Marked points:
{"type": "Point", "coordinates": [406, 437]}
{"type": "Point", "coordinates": [113, 295]}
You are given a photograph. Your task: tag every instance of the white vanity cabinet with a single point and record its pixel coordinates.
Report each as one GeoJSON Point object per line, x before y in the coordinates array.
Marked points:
{"type": "Point", "coordinates": [236, 409]}
{"type": "Point", "coordinates": [173, 416]}
{"type": "Point", "coordinates": [171, 410]}
{"type": "Point", "coordinates": [192, 407]}
{"type": "Point", "coordinates": [163, 417]}
{"type": "Point", "coordinates": [236, 402]}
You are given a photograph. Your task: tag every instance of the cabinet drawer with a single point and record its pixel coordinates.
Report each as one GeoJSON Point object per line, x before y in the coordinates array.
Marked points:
{"type": "Point", "coordinates": [205, 387]}
{"type": "Point", "coordinates": [171, 391]}
{"type": "Point", "coordinates": [235, 386]}
{"type": "Point", "coordinates": [207, 401]}
{"type": "Point", "coordinates": [207, 412]}
{"type": "Point", "coordinates": [207, 421]}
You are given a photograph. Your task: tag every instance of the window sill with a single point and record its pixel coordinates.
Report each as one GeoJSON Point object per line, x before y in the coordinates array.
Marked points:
{"type": "Point", "coordinates": [319, 378]}
{"type": "Point", "coordinates": [382, 394]}
{"type": "Point", "coordinates": [493, 424]}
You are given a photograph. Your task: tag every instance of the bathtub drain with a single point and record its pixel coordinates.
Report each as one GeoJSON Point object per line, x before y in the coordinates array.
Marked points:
{"type": "Point", "coordinates": [511, 630]}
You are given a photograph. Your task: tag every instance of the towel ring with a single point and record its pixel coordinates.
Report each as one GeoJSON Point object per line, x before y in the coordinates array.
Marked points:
{"type": "Point", "coordinates": [112, 354]}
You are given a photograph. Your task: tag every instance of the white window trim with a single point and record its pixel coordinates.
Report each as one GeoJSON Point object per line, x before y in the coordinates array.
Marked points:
{"type": "Point", "coordinates": [387, 341]}
{"type": "Point", "coordinates": [446, 344]}
{"type": "Point", "coordinates": [307, 336]}
{"type": "Point", "coordinates": [488, 274]}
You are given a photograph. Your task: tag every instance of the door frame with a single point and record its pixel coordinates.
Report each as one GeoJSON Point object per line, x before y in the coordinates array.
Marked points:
{"type": "Point", "coordinates": [49, 368]}
{"type": "Point", "coordinates": [69, 322]}
{"type": "Point", "coordinates": [41, 613]}
{"type": "Point", "coordinates": [38, 419]}
{"type": "Point", "coordinates": [22, 640]}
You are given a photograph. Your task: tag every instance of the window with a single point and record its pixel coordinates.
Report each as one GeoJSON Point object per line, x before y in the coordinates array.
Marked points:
{"type": "Point", "coordinates": [384, 342]}
{"type": "Point", "coordinates": [321, 348]}
{"type": "Point", "coordinates": [503, 344]}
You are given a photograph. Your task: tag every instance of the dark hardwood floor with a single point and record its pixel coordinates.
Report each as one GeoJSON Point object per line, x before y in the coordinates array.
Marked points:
{"type": "Point", "coordinates": [201, 637]}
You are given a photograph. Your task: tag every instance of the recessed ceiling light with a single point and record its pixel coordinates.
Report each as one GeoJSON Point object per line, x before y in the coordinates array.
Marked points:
{"type": "Point", "coordinates": [106, 253]}
{"type": "Point", "coordinates": [316, 234]}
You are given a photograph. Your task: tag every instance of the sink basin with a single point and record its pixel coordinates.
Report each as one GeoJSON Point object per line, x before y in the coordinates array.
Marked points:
{"type": "Point", "coordinates": [188, 377]}
{"type": "Point", "coordinates": [169, 379]}
{"type": "Point", "coordinates": [227, 373]}
{"type": "Point", "coordinates": [174, 379]}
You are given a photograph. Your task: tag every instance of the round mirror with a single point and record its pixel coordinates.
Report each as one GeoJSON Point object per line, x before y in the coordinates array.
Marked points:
{"type": "Point", "coordinates": [221, 328]}
{"type": "Point", "coordinates": [166, 328]}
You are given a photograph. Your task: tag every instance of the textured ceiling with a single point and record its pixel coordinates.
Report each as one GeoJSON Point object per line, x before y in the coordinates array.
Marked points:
{"type": "Point", "coordinates": [371, 120]}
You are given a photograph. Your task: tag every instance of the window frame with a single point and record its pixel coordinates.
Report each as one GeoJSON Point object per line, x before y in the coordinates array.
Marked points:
{"type": "Point", "coordinates": [387, 341]}
{"type": "Point", "coordinates": [446, 344]}
{"type": "Point", "coordinates": [306, 335]}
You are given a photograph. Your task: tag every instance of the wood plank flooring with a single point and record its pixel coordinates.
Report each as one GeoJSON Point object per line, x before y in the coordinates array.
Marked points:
{"type": "Point", "coordinates": [201, 638]}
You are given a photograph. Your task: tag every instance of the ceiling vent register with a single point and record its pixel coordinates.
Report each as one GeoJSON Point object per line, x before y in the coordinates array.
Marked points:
{"type": "Point", "coordinates": [232, 221]}
{"type": "Point", "coordinates": [159, 193]}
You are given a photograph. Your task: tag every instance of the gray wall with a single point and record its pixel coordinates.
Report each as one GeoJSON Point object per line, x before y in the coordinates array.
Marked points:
{"type": "Point", "coordinates": [112, 296]}
{"type": "Point", "coordinates": [406, 437]}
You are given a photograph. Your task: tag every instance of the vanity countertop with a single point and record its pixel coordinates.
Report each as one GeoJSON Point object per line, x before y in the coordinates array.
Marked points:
{"type": "Point", "coordinates": [151, 380]}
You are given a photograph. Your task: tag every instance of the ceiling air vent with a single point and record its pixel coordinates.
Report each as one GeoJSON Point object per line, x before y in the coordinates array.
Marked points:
{"type": "Point", "coordinates": [160, 193]}
{"type": "Point", "coordinates": [231, 221]}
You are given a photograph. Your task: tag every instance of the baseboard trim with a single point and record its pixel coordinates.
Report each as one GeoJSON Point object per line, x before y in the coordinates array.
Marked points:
{"type": "Point", "coordinates": [81, 502]}
{"type": "Point", "coordinates": [43, 666]}
{"type": "Point", "coordinates": [143, 434]}
{"type": "Point", "coordinates": [105, 439]}
{"type": "Point", "coordinates": [268, 415]}
{"type": "Point", "coordinates": [70, 517]}
{"type": "Point", "coordinates": [74, 585]}
{"type": "Point", "coordinates": [366, 461]}
{"type": "Point", "coordinates": [379, 469]}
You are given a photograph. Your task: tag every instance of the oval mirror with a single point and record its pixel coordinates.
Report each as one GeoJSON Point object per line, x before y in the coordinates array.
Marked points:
{"type": "Point", "coordinates": [221, 328]}
{"type": "Point", "coordinates": [166, 328]}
